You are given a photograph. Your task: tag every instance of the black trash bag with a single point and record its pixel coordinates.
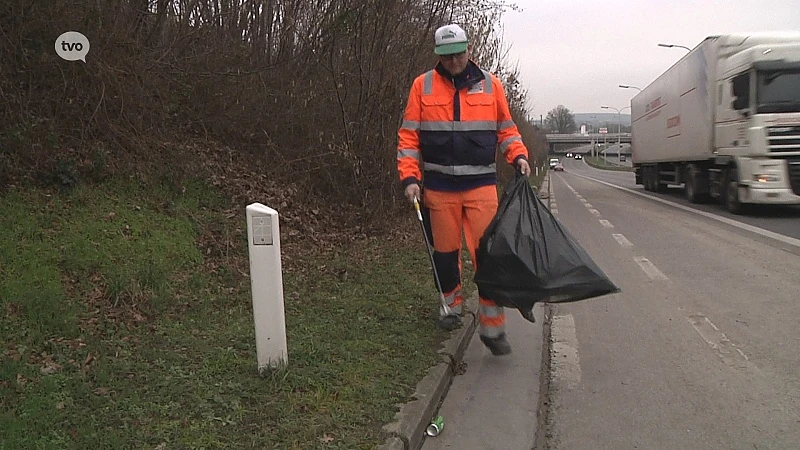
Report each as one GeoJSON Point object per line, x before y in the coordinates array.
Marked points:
{"type": "Point", "coordinates": [527, 256]}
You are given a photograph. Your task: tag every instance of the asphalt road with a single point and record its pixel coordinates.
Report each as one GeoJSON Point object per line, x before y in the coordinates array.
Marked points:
{"type": "Point", "coordinates": [784, 220]}
{"type": "Point", "coordinates": [701, 349]}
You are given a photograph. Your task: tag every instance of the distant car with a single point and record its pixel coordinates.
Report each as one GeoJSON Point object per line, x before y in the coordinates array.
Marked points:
{"type": "Point", "coordinates": [569, 155]}
{"type": "Point", "coordinates": [578, 157]}
{"type": "Point", "coordinates": [622, 157]}
{"type": "Point", "coordinates": [558, 167]}
{"type": "Point", "coordinates": [553, 162]}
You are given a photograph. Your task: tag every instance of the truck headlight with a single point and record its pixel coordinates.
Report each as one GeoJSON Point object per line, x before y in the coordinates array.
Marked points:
{"type": "Point", "coordinates": [766, 178]}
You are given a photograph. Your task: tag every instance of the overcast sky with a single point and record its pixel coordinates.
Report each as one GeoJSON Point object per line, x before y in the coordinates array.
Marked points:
{"type": "Point", "coordinates": [576, 53]}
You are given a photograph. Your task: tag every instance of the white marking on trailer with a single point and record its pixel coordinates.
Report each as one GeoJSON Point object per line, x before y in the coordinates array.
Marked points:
{"type": "Point", "coordinates": [742, 226]}
{"type": "Point", "coordinates": [564, 360]}
{"type": "Point", "coordinates": [649, 268]}
{"type": "Point", "coordinates": [595, 212]}
{"type": "Point", "coordinates": [606, 224]}
{"type": "Point", "coordinates": [622, 240]}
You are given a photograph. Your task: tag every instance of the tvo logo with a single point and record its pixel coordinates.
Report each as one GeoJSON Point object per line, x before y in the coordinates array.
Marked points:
{"type": "Point", "coordinates": [72, 46]}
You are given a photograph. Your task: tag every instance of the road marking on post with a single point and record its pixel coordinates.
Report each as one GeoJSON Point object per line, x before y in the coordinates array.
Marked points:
{"type": "Point", "coordinates": [564, 360]}
{"type": "Point", "coordinates": [622, 240]}
{"type": "Point", "coordinates": [649, 268]}
{"type": "Point", "coordinates": [726, 349]}
{"type": "Point", "coordinates": [606, 224]}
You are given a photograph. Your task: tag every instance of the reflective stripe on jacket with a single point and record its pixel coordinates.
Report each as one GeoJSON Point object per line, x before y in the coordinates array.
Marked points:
{"type": "Point", "coordinates": [452, 135]}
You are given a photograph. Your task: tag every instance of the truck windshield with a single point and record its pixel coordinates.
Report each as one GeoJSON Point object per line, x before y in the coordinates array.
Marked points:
{"type": "Point", "coordinates": [779, 91]}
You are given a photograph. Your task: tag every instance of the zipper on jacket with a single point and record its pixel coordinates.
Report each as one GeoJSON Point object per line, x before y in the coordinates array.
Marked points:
{"type": "Point", "coordinates": [456, 103]}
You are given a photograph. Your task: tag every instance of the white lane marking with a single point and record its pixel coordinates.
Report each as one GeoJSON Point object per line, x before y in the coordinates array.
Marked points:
{"type": "Point", "coordinates": [583, 200]}
{"type": "Point", "coordinates": [606, 224]}
{"type": "Point", "coordinates": [554, 211]}
{"type": "Point", "coordinates": [588, 205]}
{"type": "Point", "coordinates": [595, 212]}
{"type": "Point", "coordinates": [553, 205]}
{"type": "Point", "coordinates": [649, 268]}
{"type": "Point", "coordinates": [564, 360]}
{"type": "Point", "coordinates": [742, 226]}
{"type": "Point", "coordinates": [716, 338]}
{"type": "Point", "coordinates": [623, 241]}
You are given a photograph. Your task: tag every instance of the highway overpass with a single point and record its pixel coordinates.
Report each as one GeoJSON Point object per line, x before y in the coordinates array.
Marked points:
{"type": "Point", "coordinates": [562, 143]}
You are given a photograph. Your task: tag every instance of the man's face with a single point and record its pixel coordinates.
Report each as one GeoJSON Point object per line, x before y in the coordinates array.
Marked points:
{"type": "Point", "coordinates": [455, 64]}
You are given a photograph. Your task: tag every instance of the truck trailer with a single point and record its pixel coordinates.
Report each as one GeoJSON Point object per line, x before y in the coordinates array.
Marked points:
{"type": "Point", "coordinates": [724, 122]}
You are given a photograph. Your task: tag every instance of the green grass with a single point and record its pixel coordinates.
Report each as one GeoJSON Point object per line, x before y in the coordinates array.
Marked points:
{"type": "Point", "coordinates": [600, 163]}
{"type": "Point", "coordinates": [127, 323]}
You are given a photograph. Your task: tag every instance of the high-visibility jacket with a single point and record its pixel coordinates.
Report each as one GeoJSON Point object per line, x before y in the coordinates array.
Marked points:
{"type": "Point", "coordinates": [452, 128]}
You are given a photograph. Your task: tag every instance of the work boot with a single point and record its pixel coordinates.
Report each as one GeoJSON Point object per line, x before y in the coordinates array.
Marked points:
{"type": "Point", "coordinates": [499, 345]}
{"type": "Point", "coordinates": [449, 322]}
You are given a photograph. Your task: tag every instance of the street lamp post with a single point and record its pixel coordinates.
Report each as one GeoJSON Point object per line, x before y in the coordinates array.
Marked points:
{"type": "Point", "coordinates": [619, 125]}
{"type": "Point", "coordinates": [675, 45]}
{"type": "Point", "coordinates": [626, 86]}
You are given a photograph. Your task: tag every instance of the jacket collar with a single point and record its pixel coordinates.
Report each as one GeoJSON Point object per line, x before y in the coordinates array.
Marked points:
{"type": "Point", "coordinates": [466, 79]}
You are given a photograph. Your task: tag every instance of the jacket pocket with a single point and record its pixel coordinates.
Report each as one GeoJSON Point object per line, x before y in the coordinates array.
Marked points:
{"type": "Point", "coordinates": [479, 107]}
{"type": "Point", "coordinates": [480, 100]}
{"type": "Point", "coordinates": [437, 108]}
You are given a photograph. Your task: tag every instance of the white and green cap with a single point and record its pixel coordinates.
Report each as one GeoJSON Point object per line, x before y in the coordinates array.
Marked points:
{"type": "Point", "coordinates": [450, 39]}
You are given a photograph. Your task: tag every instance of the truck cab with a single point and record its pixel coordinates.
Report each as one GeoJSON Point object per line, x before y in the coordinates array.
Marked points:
{"type": "Point", "coordinates": [757, 127]}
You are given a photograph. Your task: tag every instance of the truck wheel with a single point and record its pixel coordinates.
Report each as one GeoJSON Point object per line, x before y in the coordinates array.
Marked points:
{"type": "Point", "coordinates": [692, 183]}
{"type": "Point", "coordinates": [648, 179]}
{"type": "Point", "coordinates": [731, 196]}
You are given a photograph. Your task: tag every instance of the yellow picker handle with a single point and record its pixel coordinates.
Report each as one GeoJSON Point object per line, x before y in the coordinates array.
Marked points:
{"type": "Point", "coordinates": [416, 207]}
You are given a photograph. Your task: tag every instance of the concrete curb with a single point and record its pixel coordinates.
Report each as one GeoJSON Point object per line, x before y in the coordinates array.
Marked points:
{"type": "Point", "coordinates": [408, 429]}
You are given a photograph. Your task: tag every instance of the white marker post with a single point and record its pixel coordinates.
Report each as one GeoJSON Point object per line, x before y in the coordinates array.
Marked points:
{"type": "Point", "coordinates": [266, 280]}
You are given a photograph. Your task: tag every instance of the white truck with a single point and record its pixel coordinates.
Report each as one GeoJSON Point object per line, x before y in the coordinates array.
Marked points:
{"type": "Point", "coordinates": [724, 122]}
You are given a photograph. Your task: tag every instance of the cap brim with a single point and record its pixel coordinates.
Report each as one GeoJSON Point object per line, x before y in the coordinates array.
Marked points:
{"type": "Point", "coordinates": [451, 49]}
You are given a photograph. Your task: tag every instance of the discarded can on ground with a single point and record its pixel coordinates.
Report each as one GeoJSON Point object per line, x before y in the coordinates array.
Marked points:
{"type": "Point", "coordinates": [435, 427]}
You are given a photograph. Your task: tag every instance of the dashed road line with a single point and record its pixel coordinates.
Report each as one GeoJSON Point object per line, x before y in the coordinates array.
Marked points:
{"type": "Point", "coordinates": [742, 226]}
{"type": "Point", "coordinates": [595, 212]}
{"type": "Point", "coordinates": [649, 268]}
{"type": "Point", "coordinates": [606, 224]}
{"type": "Point", "coordinates": [715, 338]}
{"type": "Point", "coordinates": [623, 241]}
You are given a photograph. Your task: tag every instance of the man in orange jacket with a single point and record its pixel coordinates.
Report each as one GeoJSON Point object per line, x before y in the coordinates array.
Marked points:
{"type": "Point", "coordinates": [456, 119]}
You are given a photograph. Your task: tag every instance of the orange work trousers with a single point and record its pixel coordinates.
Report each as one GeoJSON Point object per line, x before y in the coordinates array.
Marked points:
{"type": "Point", "coordinates": [452, 213]}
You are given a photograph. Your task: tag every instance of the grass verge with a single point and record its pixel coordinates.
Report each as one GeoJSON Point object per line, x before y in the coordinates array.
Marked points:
{"type": "Point", "coordinates": [600, 163]}
{"type": "Point", "coordinates": [126, 326]}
